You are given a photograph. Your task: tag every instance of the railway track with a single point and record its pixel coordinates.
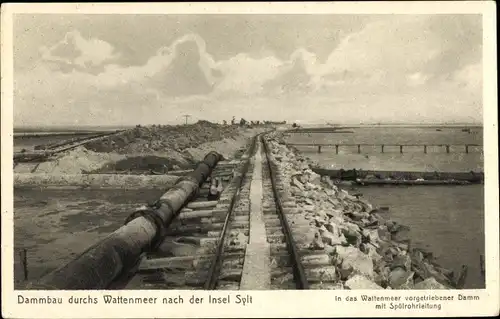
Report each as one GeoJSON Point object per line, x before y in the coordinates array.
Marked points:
{"type": "Point", "coordinates": [55, 148]}
{"type": "Point", "coordinates": [205, 237]}
{"type": "Point", "coordinates": [254, 237]}
{"type": "Point", "coordinates": [214, 245]}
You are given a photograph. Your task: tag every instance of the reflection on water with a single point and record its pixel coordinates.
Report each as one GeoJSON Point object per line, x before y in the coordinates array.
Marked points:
{"type": "Point", "coordinates": [448, 220]}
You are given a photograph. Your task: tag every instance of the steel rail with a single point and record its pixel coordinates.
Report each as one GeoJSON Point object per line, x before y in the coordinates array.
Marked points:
{"type": "Point", "coordinates": [64, 146]}
{"type": "Point", "coordinates": [298, 269]}
{"type": "Point", "coordinates": [215, 265]}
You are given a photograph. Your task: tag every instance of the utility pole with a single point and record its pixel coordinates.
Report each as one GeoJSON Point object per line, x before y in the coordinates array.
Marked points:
{"type": "Point", "coordinates": [187, 116]}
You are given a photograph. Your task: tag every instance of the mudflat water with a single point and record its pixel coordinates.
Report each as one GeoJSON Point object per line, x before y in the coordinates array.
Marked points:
{"type": "Point", "coordinates": [447, 220]}
{"type": "Point", "coordinates": [413, 157]}
{"type": "Point", "coordinates": [56, 225]}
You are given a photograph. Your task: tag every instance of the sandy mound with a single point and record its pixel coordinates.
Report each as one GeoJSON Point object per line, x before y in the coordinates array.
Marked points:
{"type": "Point", "coordinates": [227, 147]}
{"type": "Point", "coordinates": [141, 156]}
{"type": "Point", "coordinates": [77, 161]}
{"type": "Point", "coordinates": [158, 138]}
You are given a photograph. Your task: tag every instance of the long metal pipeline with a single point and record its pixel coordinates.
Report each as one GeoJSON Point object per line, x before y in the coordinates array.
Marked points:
{"type": "Point", "coordinates": [110, 259]}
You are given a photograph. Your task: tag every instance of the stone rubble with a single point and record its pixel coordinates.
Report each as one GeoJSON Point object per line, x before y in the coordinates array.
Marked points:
{"type": "Point", "coordinates": [368, 250]}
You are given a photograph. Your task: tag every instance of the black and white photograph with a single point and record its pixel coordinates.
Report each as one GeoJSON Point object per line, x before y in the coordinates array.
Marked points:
{"type": "Point", "coordinates": [250, 152]}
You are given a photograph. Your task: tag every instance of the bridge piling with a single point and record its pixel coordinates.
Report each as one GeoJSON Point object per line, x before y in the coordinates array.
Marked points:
{"type": "Point", "coordinates": [382, 146]}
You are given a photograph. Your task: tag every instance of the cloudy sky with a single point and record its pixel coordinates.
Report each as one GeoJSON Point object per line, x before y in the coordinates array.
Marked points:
{"type": "Point", "coordinates": [130, 69]}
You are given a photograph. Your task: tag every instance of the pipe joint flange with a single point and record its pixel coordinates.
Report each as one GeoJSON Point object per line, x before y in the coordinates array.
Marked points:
{"type": "Point", "coordinates": [153, 216]}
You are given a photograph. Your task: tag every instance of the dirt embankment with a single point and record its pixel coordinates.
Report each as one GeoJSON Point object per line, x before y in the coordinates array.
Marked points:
{"type": "Point", "coordinates": [368, 250]}
{"type": "Point", "coordinates": [158, 138]}
{"type": "Point", "coordinates": [148, 150]}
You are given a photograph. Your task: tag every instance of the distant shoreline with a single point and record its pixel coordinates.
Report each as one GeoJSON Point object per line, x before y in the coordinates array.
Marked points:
{"type": "Point", "coordinates": [92, 129]}
{"type": "Point", "coordinates": [433, 125]}
{"type": "Point", "coordinates": [348, 129]}
{"type": "Point", "coordinates": [43, 130]}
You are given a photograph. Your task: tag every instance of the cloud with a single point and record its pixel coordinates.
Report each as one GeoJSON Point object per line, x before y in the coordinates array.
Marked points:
{"type": "Point", "coordinates": [295, 75]}
{"type": "Point", "coordinates": [390, 68]}
{"type": "Point", "coordinates": [78, 52]}
{"type": "Point", "coordinates": [416, 79]}
{"type": "Point", "coordinates": [246, 75]}
{"type": "Point", "coordinates": [393, 48]}
{"type": "Point", "coordinates": [470, 77]}
{"type": "Point", "coordinates": [183, 76]}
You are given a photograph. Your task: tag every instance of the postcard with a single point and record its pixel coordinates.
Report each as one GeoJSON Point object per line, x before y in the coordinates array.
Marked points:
{"type": "Point", "coordinates": [217, 160]}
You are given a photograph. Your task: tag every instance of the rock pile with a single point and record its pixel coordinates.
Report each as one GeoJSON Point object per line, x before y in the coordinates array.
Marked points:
{"type": "Point", "coordinates": [148, 150]}
{"type": "Point", "coordinates": [158, 138]}
{"type": "Point", "coordinates": [368, 250]}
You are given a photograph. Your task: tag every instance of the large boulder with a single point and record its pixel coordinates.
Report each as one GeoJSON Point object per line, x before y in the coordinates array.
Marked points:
{"type": "Point", "coordinates": [332, 238]}
{"type": "Point", "coordinates": [383, 233]}
{"type": "Point", "coordinates": [357, 260]}
{"type": "Point", "coordinates": [298, 184]}
{"type": "Point", "coordinates": [314, 179]}
{"type": "Point", "coordinates": [401, 279]}
{"type": "Point", "coordinates": [429, 283]}
{"type": "Point", "coordinates": [371, 235]}
{"type": "Point", "coordinates": [333, 228]}
{"type": "Point", "coordinates": [352, 233]}
{"type": "Point", "coordinates": [401, 261]}
{"type": "Point", "coordinates": [357, 215]}
{"type": "Point", "coordinates": [371, 251]}
{"type": "Point", "coordinates": [311, 186]}
{"type": "Point", "coordinates": [317, 243]}
{"type": "Point", "coordinates": [361, 282]}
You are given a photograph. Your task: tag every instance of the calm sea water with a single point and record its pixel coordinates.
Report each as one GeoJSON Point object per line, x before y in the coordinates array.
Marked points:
{"type": "Point", "coordinates": [447, 220]}
{"type": "Point", "coordinates": [413, 157]}
{"type": "Point", "coordinates": [57, 225]}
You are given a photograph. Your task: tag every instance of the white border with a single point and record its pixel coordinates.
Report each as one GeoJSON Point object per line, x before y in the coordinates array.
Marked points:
{"type": "Point", "coordinates": [272, 303]}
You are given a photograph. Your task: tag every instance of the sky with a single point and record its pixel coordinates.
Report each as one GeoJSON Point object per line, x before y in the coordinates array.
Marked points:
{"type": "Point", "coordinates": [153, 69]}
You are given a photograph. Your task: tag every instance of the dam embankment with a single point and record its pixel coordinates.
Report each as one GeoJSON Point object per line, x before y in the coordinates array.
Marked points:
{"type": "Point", "coordinates": [445, 212]}
{"type": "Point", "coordinates": [370, 250]}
